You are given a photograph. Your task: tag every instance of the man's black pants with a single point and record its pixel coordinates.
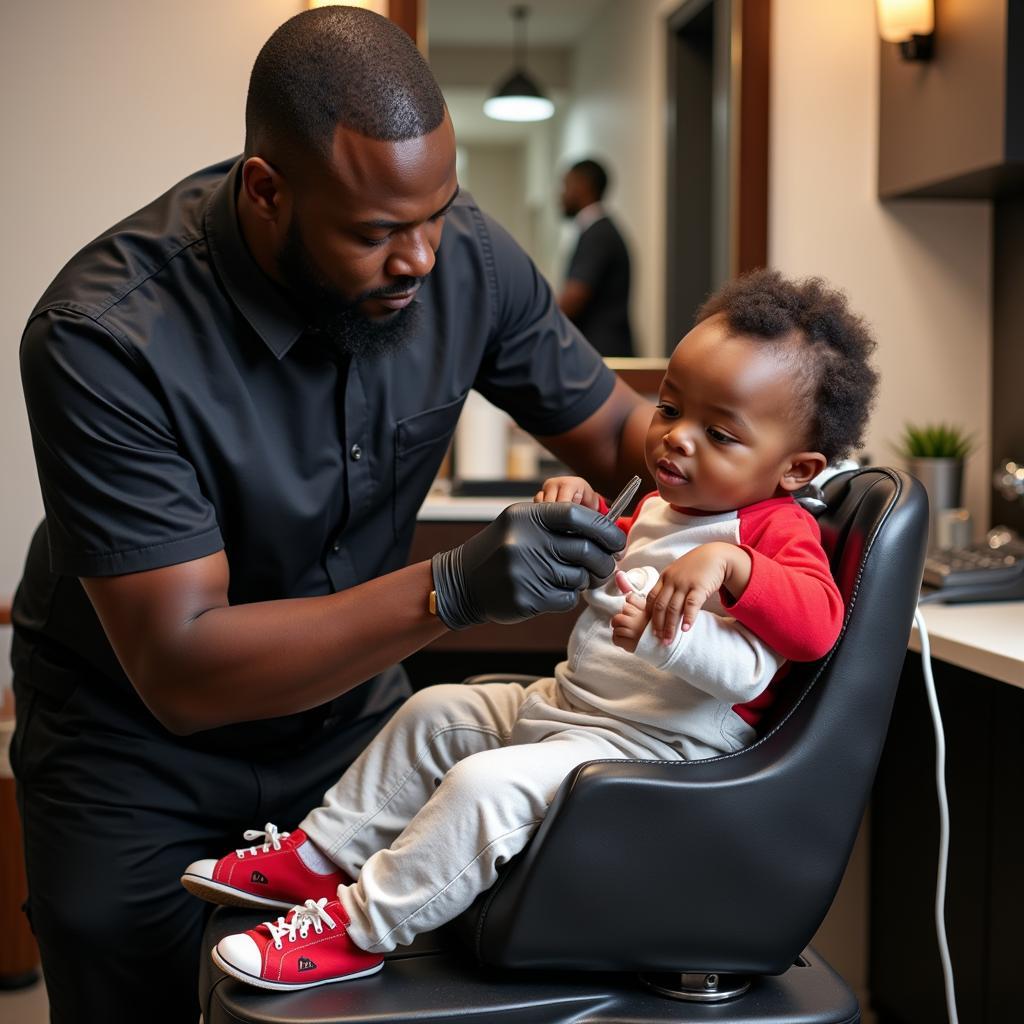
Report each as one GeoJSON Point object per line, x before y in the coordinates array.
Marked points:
{"type": "Point", "coordinates": [112, 811]}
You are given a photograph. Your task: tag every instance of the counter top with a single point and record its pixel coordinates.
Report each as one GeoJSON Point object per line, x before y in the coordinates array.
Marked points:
{"type": "Point", "coordinates": [983, 638]}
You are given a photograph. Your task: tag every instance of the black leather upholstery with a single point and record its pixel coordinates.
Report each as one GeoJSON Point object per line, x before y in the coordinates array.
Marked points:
{"type": "Point", "coordinates": [729, 864]}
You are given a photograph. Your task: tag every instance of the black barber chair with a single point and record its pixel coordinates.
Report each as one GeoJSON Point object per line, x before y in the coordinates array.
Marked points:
{"type": "Point", "coordinates": [659, 891]}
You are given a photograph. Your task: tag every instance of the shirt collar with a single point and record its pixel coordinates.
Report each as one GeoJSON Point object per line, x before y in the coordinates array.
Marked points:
{"type": "Point", "coordinates": [258, 298]}
{"type": "Point", "coordinates": [589, 215]}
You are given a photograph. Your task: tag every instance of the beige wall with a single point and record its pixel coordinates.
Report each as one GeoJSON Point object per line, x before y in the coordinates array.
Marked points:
{"type": "Point", "coordinates": [106, 104]}
{"type": "Point", "coordinates": [919, 271]}
{"type": "Point", "coordinates": [496, 176]}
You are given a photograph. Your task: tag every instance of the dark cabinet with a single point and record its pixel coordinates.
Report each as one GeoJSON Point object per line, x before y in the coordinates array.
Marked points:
{"type": "Point", "coordinates": [984, 724]}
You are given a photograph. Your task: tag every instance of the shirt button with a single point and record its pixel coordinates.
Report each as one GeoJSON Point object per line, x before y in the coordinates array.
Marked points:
{"type": "Point", "coordinates": [356, 452]}
{"type": "Point", "coordinates": [336, 546]}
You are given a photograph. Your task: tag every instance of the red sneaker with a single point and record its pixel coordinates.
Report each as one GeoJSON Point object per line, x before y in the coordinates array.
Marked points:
{"type": "Point", "coordinates": [309, 947]}
{"type": "Point", "coordinates": [272, 874]}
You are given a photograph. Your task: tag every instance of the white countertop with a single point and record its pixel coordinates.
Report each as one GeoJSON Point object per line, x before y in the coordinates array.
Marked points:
{"type": "Point", "coordinates": [983, 638]}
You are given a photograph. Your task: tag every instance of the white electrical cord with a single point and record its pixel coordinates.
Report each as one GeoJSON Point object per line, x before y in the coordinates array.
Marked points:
{"type": "Point", "coordinates": [940, 787]}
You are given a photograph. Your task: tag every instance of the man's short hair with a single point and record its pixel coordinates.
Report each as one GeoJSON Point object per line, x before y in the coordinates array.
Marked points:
{"type": "Point", "coordinates": [334, 66]}
{"type": "Point", "coordinates": [835, 382]}
{"type": "Point", "coordinates": [595, 174]}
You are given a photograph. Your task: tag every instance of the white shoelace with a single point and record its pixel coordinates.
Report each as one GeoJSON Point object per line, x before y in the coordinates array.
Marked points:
{"type": "Point", "coordinates": [300, 920]}
{"type": "Point", "coordinates": [270, 836]}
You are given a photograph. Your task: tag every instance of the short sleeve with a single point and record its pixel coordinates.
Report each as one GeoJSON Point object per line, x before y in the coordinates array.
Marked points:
{"type": "Point", "coordinates": [538, 367]}
{"type": "Point", "coordinates": [119, 496]}
{"type": "Point", "coordinates": [589, 262]}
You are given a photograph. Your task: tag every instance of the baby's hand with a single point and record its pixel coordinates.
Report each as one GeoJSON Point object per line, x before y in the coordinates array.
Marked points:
{"type": "Point", "coordinates": [686, 585]}
{"type": "Point", "coordinates": [569, 488]}
{"type": "Point", "coordinates": [629, 624]}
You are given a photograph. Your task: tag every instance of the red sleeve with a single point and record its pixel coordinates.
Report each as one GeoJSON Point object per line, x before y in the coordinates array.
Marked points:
{"type": "Point", "coordinates": [791, 602]}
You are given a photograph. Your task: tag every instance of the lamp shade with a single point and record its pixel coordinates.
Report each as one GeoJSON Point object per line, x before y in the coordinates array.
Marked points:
{"type": "Point", "coordinates": [899, 20]}
{"type": "Point", "coordinates": [519, 99]}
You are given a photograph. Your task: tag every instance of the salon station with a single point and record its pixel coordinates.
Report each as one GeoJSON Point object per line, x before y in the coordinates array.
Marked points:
{"type": "Point", "coordinates": [326, 439]}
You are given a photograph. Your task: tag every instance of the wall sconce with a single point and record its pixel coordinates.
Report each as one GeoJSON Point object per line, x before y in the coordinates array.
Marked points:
{"type": "Point", "coordinates": [911, 24]}
{"type": "Point", "coordinates": [518, 98]}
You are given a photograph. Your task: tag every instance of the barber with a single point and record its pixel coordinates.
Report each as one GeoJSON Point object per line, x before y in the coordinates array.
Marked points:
{"type": "Point", "coordinates": [239, 396]}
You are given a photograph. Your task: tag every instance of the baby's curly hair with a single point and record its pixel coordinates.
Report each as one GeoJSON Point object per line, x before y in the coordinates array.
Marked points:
{"type": "Point", "coordinates": [837, 383]}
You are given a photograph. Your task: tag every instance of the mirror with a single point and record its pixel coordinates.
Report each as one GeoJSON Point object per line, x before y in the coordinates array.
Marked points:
{"type": "Point", "coordinates": [717, 150]}
{"type": "Point", "coordinates": [671, 99]}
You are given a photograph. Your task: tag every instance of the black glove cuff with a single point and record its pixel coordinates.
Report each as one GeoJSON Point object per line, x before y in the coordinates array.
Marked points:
{"type": "Point", "coordinates": [455, 607]}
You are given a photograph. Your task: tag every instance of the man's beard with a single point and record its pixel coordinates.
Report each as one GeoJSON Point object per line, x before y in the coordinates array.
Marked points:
{"type": "Point", "coordinates": [335, 323]}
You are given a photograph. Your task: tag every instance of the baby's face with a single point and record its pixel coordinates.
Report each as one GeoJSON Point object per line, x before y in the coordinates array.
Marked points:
{"type": "Point", "coordinates": [725, 426]}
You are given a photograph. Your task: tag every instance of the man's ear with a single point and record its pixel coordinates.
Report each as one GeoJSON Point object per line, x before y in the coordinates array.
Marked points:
{"type": "Point", "coordinates": [800, 469]}
{"type": "Point", "coordinates": [266, 190]}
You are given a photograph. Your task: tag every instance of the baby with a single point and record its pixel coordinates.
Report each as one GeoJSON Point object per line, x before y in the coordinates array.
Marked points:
{"type": "Point", "coordinates": [722, 581]}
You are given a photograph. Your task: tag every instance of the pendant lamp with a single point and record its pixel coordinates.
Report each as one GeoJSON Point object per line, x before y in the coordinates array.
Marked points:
{"type": "Point", "coordinates": [518, 98]}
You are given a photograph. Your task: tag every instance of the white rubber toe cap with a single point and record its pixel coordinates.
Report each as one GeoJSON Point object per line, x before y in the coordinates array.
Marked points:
{"type": "Point", "coordinates": [201, 868]}
{"type": "Point", "coordinates": [242, 953]}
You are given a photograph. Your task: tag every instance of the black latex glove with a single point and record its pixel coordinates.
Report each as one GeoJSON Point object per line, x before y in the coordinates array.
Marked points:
{"type": "Point", "coordinates": [535, 557]}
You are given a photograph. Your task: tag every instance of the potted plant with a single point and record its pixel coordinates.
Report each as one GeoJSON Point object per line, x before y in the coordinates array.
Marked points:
{"type": "Point", "coordinates": [935, 454]}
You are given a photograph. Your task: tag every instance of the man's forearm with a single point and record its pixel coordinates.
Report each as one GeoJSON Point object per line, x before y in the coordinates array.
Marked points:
{"type": "Point", "coordinates": [632, 440]}
{"type": "Point", "coordinates": [243, 662]}
{"type": "Point", "coordinates": [608, 447]}
{"type": "Point", "coordinates": [200, 662]}
{"type": "Point", "coordinates": [573, 299]}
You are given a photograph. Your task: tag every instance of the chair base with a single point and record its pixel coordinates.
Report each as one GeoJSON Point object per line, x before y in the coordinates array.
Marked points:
{"type": "Point", "coordinates": [432, 982]}
{"type": "Point", "coordinates": [697, 988]}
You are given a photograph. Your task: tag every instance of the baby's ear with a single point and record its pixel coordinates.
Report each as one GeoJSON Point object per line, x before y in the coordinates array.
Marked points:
{"type": "Point", "coordinates": [800, 469]}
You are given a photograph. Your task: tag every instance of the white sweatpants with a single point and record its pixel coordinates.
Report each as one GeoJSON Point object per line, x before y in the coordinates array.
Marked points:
{"type": "Point", "coordinates": [452, 787]}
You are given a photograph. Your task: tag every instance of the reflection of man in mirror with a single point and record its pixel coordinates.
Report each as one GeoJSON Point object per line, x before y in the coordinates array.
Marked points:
{"type": "Point", "coordinates": [595, 295]}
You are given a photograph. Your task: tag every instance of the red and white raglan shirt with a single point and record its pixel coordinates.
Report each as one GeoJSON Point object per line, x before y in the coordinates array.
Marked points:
{"type": "Point", "coordinates": [706, 691]}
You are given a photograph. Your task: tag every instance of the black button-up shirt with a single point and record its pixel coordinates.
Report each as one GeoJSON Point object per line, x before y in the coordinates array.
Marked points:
{"type": "Point", "coordinates": [177, 410]}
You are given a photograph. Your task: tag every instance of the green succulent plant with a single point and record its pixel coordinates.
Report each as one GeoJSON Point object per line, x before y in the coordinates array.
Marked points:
{"type": "Point", "coordinates": [935, 441]}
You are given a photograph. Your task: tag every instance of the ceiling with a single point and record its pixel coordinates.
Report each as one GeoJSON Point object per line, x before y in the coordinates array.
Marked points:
{"type": "Point", "coordinates": [489, 22]}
